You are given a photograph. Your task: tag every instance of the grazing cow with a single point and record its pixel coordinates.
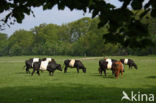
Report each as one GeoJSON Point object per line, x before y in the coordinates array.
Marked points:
{"type": "Point", "coordinates": [118, 68]}
{"type": "Point", "coordinates": [50, 66]}
{"type": "Point", "coordinates": [74, 64]}
{"type": "Point", "coordinates": [129, 62]}
{"type": "Point", "coordinates": [106, 64]}
{"type": "Point", "coordinates": [29, 63]}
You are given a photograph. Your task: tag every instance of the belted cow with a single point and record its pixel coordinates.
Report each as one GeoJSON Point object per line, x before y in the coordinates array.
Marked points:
{"type": "Point", "coordinates": [29, 63]}
{"type": "Point", "coordinates": [74, 64]}
{"type": "Point", "coordinates": [50, 66]}
{"type": "Point", "coordinates": [106, 64]}
{"type": "Point", "coordinates": [129, 62]}
{"type": "Point", "coordinates": [114, 65]}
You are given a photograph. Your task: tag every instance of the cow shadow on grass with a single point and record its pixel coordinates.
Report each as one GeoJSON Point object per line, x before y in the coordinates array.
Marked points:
{"type": "Point", "coordinates": [98, 75]}
{"type": "Point", "coordinates": [154, 77]}
{"type": "Point", "coordinates": [21, 73]}
{"type": "Point", "coordinates": [70, 93]}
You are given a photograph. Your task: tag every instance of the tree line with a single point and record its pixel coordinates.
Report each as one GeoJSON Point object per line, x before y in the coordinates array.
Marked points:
{"type": "Point", "coordinates": [118, 18]}
{"type": "Point", "coordinates": [78, 38]}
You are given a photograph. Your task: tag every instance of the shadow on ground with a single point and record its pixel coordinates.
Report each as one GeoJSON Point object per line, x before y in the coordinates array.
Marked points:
{"type": "Point", "coordinates": [108, 76]}
{"type": "Point", "coordinates": [152, 77]}
{"type": "Point", "coordinates": [71, 93]}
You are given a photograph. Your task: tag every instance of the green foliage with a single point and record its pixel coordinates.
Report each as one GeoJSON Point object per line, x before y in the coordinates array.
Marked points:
{"type": "Point", "coordinates": [20, 43]}
{"type": "Point", "coordinates": [117, 18]}
{"type": "Point", "coordinates": [3, 44]}
{"type": "Point", "coordinates": [78, 38]}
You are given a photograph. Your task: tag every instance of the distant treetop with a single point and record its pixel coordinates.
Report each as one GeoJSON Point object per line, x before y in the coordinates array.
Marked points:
{"type": "Point", "coordinates": [123, 26]}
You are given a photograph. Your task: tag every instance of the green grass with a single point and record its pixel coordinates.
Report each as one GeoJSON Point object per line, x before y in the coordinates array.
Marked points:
{"type": "Point", "coordinates": [18, 87]}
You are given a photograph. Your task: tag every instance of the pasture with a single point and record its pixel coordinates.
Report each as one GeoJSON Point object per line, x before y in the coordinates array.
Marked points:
{"type": "Point", "coordinates": [18, 87]}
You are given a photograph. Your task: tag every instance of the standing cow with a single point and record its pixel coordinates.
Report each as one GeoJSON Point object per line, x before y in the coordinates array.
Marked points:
{"type": "Point", "coordinates": [118, 68]}
{"type": "Point", "coordinates": [50, 66]}
{"type": "Point", "coordinates": [106, 64]}
{"type": "Point", "coordinates": [29, 63]}
{"type": "Point", "coordinates": [129, 62]}
{"type": "Point", "coordinates": [74, 64]}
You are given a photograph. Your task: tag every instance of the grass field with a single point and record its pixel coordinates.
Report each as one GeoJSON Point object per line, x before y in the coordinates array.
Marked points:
{"type": "Point", "coordinates": [18, 87]}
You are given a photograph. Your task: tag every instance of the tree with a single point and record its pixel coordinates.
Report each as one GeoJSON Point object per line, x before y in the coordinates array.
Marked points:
{"type": "Point", "coordinates": [20, 43]}
{"type": "Point", "coordinates": [45, 39]}
{"type": "Point", "coordinates": [3, 44]}
{"type": "Point", "coordinates": [117, 18]}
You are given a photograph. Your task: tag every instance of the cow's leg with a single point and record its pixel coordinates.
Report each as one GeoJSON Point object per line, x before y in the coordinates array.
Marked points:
{"type": "Point", "coordinates": [27, 70]}
{"type": "Point", "coordinates": [124, 70]}
{"type": "Point", "coordinates": [121, 72]}
{"type": "Point", "coordinates": [100, 71]}
{"type": "Point", "coordinates": [117, 74]}
{"type": "Point", "coordinates": [50, 73]}
{"type": "Point", "coordinates": [65, 69]}
{"type": "Point", "coordinates": [33, 72]}
{"type": "Point", "coordinates": [38, 72]}
{"type": "Point", "coordinates": [105, 72]}
{"type": "Point", "coordinates": [77, 69]}
{"type": "Point", "coordinates": [112, 71]}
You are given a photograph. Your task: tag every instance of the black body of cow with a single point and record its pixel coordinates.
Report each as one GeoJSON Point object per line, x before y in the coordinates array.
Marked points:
{"type": "Point", "coordinates": [53, 60]}
{"type": "Point", "coordinates": [78, 64]}
{"type": "Point", "coordinates": [51, 67]}
{"type": "Point", "coordinates": [113, 60]}
{"type": "Point", "coordinates": [130, 63]}
{"type": "Point", "coordinates": [28, 64]}
{"type": "Point", "coordinates": [103, 66]}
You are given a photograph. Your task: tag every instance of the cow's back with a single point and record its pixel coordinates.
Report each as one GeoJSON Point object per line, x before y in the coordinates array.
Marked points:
{"type": "Point", "coordinates": [119, 66]}
{"type": "Point", "coordinates": [103, 63]}
{"type": "Point", "coordinates": [66, 62]}
{"type": "Point", "coordinates": [125, 61]}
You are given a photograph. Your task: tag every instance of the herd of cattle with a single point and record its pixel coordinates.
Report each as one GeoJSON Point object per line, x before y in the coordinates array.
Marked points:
{"type": "Point", "coordinates": [50, 65]}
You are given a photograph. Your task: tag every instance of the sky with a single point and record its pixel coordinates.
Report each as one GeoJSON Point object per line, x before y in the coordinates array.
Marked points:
{"type": "Point", "coordinates": [53, 16]}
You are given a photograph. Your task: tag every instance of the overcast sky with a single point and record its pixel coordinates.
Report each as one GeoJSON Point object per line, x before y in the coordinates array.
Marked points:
{"type": "Point", "coordinates": [53, 16]}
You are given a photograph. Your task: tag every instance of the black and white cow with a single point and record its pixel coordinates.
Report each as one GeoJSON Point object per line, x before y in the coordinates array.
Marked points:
{"type": "Point", "coordinates": [129, 62]}
{"type": "Point", "coordinates": [29, 63]}
{"type": "Point", "coordinates": [50, 66]}
{"type": "Point", "coordinates": [106, 64]}
{"type": "Point", "coordinates": [74, 64]}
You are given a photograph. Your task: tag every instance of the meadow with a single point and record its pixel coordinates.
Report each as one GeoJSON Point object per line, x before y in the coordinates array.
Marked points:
{"type": "Point", "coordinates": [18, 87]}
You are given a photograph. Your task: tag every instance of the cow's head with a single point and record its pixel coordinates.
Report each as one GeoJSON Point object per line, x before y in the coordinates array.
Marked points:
{"type": "Point", "coordinates": [59, 67]}
{"type": "Point", "coordinates": [84, 69]}
{"type": "Point", "coordinates": [135, 66]}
